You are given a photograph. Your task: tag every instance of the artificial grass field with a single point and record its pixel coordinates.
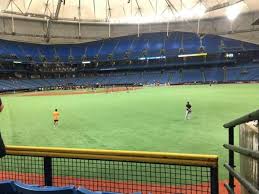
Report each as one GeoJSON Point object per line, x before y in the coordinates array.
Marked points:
{"type": "Point", "coordinates": [149, 119]}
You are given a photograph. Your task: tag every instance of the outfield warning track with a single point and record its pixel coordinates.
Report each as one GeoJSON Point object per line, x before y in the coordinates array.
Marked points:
{"type": "Point", "coordinates": [61, 93]}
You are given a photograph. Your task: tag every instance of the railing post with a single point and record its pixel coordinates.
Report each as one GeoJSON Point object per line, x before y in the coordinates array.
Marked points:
{"type": "Point", "coordinates": [231, 157]}
{"type": "Point", "coordinates": [47, 171]}
{"type": "Point", "coordinates": [214, 180]}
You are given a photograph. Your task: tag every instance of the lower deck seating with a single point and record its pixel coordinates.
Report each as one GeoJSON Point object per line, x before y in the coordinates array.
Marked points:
{"type": "Point", "coordinates": [178, 76]}
{"type": "Point", "coordinates": [214, 74]}
{"type": "Point", "coordinates": [233, 74]}
{"type": "Point", "coordinates": [250, 73]}
{"type": "Point", "coordinates": [244, 73]}
{"type": "Point", "coordinates": [193, 75]}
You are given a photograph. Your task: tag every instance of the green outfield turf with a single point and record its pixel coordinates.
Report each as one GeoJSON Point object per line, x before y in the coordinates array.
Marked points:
{"type": "Point", "coordinates": [150, 119]}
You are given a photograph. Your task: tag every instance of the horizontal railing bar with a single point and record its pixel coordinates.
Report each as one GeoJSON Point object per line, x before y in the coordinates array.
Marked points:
{"type": "Point", "coordinates": [244, 151]}
{"type": "Point", "coordinates": [116, 158]}
{"type": "Point", "coordinates": [248, 186]}
{"type": "Point", "coordinates": [246, 118]}
{"type": "Point", "coordinates": [114, 153]}
{"type": "Point", "coordinates": [230, 191]}
{"type": "Point", "coordinates": [133, 156]}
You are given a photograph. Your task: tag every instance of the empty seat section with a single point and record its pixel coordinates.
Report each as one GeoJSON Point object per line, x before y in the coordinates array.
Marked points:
{"type": "Point", "coordinates": [63, 51]}
{"type": "Point", "coordinates": [138, 47]}
{"type": "Point", "coordinates": [173, 44]}
{"type": "Point", "coordinates": [214, 74]}
{"type": "Point", "coordinates": [191, 43]}
{"type": "Point", "coordinates": [233, 73]}
{"type": "Point", "coordinates": [78, 51]}
{"type": "Point", "coordinates": [211, 43]}
{"type": "Point", "coordinates": [155, 44]}
{"type": "Point", "coordinates": [107, 49]}
{"type": "Point", "coordinates": [250, 73]}
{"type": "Point", "coordinates": [165, 77]}
{"type": "Point", "coordinates": [13, 48]}
{"type": "Point", "coordinates": [175, 79]}
{"type": "Point", "coordinates": [93, 49]}
{"type": "Point", "coordinates": [31, 50]}
{"type": "Point", "coordinates": [151, 77]}
{"type": "Point", "coordinates": [192, 75]}
{"type": "Point", "coordinates": [133, 78]}
{"type": "Point", "coordinates": [232, 45]}
{"type": "Point", "coordinates": [123, 46]}
{"type": "Point", "coordinates": [47, 51]}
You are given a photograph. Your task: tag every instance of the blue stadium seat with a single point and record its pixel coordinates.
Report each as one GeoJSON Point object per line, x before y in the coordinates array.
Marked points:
{"type": "Point", "coordinates": [31, 189]}
{"type": "Point", "coordinates": [123, 45]}
{"type": "Point", "coordinates": [47, 51]}
{"type": "Point", "coordinates": [11, 187]}
{"type": "Point", "coordinates": [104, 192]}
{"type": "Point", "coordinates": [81, 190]}
{"type": "Point", "coordinates": [7, 187]}
{"type": "Point", "coordinates": [84, 191]}
{"type": "Point", "coordinates": [192, 75]}
{"type": "Point", "coordinates": [107, 48]}
{"type": "Point", "coordinates": [78, 51]}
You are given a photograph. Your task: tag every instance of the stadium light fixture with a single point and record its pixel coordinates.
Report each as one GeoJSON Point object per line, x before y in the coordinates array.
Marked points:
{"type": "Point", "coordinates": [17, 62]}
{"type": "Point", "coordinates": [185, 13]}
{"type": "Point", "coordinates": [199, 10]}
{"type": "Point", "coordinates": [86, 62]}
{"type": "Point", "coordinates": [233, 11]}
{"type": "Point", "coordinates": [149, 58]}
{"type": "Point", "coordinates": [192, 55]}
{"type": "Point", "coordinates": [229, 55]}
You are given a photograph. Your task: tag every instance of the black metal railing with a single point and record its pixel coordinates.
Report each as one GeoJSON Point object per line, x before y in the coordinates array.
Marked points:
{"type": "Point", "coordinates": [115, 171]}
{"type": "Point", "coordinates": [243, 151]}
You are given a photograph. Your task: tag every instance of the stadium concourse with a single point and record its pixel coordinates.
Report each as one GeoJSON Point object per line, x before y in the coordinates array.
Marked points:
{"type": "Point", "coordinates": [133, 65]}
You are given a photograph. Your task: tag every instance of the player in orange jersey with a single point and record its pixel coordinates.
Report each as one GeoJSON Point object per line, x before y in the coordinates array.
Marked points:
{"type": "Point", "coordinates": [56, 117]}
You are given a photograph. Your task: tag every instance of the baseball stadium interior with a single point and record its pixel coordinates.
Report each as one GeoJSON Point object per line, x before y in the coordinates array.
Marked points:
{"type": "Point", "coordinates": [112, 60]}
{"type": "Point", "coordinates": [151, 58]}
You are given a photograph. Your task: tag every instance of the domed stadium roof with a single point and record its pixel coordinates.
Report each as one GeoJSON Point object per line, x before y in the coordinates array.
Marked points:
{"type": "Point", "coordinates": [87, 20]}
{"type": "Point", "coordinates": [124, 11]}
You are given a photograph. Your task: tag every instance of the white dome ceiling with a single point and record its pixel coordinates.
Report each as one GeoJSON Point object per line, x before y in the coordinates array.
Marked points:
{"type": "Point", "coordinates": [124, 11]}
{"type": "Point", "coordinates": [71, 21]}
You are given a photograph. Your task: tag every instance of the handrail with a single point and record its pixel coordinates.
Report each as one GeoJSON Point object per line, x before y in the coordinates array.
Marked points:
{"type": "Point", "coordinates": [245, 183]}
{"type": "Point", "coordinates": [134, 156]}
{"type": "Point", "coordinates": [244, 151]}
{"type": "Point", "coordinates": [230, 191]}
{"type": "Point", "coordinates": [246, 118]}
